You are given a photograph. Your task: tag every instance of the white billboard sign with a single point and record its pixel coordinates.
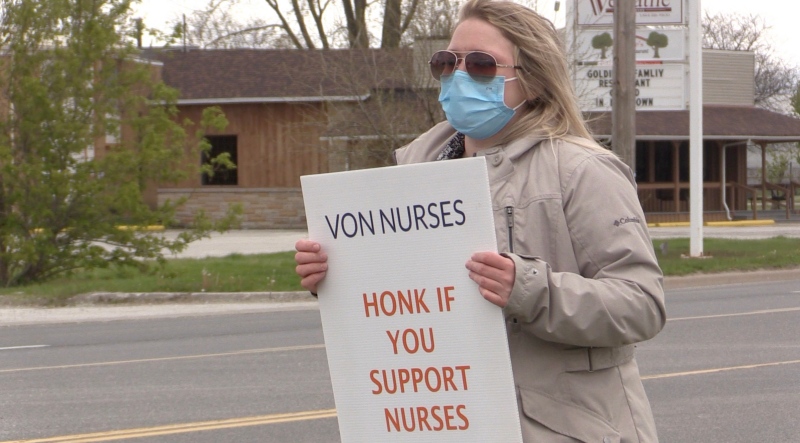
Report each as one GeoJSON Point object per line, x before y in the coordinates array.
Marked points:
{"type": "Point", "coordinates": [415, 352]}
{"type": "Point", "coordinates": [648, 12]}
{"type": "Point", "coordinates": [659, 87]}
{"type": "Point", "coordinates": [594, 44]}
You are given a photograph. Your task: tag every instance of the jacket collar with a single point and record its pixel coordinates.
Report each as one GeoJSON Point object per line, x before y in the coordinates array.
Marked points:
{"type": "Point", "coordinates": [428, 146]}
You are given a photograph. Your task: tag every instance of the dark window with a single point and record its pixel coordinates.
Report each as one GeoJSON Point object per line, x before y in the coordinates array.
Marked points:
{"type": "Point", "coordinates": [221, 144]}
{"type": "Point", "coordinates": [642, 159]}
{"type": "Point", "coordinates": [662, 161]}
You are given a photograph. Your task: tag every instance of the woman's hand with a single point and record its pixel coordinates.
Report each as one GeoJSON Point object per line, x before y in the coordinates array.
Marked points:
{"type": "Point", "coordinates": [312, 264]}
{"type": "Point", "coordinates": [494, 275]}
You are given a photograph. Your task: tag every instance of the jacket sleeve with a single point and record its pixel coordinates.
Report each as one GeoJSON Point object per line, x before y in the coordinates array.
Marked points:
{"type": "Point", "coordinates": [617, 297]}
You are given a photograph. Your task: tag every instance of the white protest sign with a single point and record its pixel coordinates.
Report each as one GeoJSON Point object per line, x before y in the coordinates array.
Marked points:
{"type": "Point", "coordinates": [415, 352]}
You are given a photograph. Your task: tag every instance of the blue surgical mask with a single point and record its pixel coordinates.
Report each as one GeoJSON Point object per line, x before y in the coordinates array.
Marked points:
{"type": "Point", "coordinates": [475, 108]}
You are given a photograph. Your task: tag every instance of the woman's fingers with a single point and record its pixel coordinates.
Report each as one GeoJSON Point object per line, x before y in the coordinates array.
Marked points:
{"type": "Point", "coordinates": [312, 264]}
{"type": "Point", "coordinates": [304, 245]}
{"type": "Point", "coordinates": [310, 257]}
{"type": "Point", "coordinates": [311, 281]}
{"type": "Point", "coordinates": [494, 275]}
{"type": "Point", "coordinates": [309, 252]}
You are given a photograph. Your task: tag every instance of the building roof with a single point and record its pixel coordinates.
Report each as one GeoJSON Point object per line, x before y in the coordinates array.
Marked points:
{"type": "Point", "coordinates": [719, 123]}
{"type": "Point", "coordinates": [274, 75]}
{"type": "Point", "coordinates": [206, 77]}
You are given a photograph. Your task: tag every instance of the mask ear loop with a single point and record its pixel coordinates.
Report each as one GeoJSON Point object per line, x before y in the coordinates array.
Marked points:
{"type": "Point", "coordinates": [523, 100]}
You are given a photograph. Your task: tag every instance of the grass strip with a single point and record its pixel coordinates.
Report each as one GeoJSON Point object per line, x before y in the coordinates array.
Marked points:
{"type": "Point", "coordinates": [275, 272]}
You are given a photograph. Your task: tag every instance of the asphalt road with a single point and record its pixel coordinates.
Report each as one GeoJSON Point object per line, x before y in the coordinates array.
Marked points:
{"type": "Point", "coordinates": [106, 377]}
{"type": "Point", "coordinates": [725, 369]}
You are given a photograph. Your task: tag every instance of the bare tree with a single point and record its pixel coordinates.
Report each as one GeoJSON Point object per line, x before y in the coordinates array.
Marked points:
{"type": "Point", "coordinates": [775, 80]}
{"type": "Point", "coordinates": [216, 26]}
{"type": "Point", "coordinates": [402, 95]}
{"type": "Point", "coordinates": [306, 15]}
{"type": "Point", "coordinates": [433, 19]}
{"type": "Point", "coordinates": [394, 112]}
{"type": "Point", "coordinates": [295, 21]}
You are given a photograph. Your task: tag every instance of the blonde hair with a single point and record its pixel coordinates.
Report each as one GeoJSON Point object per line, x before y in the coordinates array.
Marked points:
{"type": "Point", "coordinates": [551, 109]}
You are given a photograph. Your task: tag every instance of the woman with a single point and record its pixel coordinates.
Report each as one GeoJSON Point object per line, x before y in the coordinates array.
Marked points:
{"type": "Point", "coordinates": [577, 277]}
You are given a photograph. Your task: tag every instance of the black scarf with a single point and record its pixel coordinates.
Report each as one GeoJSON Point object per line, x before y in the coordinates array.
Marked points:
{"type": "Point", "coordinates": [453, 149]}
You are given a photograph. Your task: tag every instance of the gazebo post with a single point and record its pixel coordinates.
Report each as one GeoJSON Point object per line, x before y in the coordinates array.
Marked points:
{"type": "Point", "coordinates": [676, 175]}
{"type": "Point", "coordinates": [723, 178]}
{"type": "Point", "coordinates": [763, 175]}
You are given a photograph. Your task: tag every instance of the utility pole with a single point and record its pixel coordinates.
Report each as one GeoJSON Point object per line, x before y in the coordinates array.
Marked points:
{"type": "Point", "coordinates": [623, 111]}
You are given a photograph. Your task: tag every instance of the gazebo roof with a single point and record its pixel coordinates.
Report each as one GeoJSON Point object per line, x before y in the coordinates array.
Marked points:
{"type": "Point", "coordinates": [719, 123]}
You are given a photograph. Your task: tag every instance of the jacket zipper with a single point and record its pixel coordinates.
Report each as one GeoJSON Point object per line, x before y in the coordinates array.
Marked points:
{"type": "Point", "coordinates": [510, 225]}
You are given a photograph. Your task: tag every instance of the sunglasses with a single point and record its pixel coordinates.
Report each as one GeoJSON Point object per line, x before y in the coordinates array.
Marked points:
{"type": "Point", "coordinates": [481, 66]}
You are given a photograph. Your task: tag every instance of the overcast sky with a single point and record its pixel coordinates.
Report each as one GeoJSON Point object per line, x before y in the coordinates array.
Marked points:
{"type": "Point", "coordinates": [780, 15]}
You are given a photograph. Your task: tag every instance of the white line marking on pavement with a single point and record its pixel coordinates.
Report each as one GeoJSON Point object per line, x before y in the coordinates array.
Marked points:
{"type": "Point", "coordinates": [181, 357]}
{"type": "Point", "coordinates": [737, 314]}
{"type": "Point", "coordinates": [23, 347]}
{"type": "Point", "coordinates": [715, 370]}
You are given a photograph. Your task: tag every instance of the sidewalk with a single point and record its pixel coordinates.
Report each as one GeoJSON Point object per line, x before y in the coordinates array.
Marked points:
{"type": "Point", "coordinates": [261, 241]}
{"type": "Point", "coordinates": [276, 240]}
{"type": "Point", "coordinates": [732, 230]}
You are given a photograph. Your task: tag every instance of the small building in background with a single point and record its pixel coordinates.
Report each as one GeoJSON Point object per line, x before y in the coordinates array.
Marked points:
{"type": "Point", "coordinates": [299, 112]}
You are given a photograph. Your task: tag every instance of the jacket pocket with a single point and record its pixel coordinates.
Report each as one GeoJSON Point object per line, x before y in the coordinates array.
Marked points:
{"type": "Point", "coordinates": [566, 419]}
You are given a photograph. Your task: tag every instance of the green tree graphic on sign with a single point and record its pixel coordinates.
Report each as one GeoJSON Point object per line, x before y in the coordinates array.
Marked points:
{"type": "Point", "coordinates": [602, 42]}
{"type": "Point", "coordinates": [657, 41]}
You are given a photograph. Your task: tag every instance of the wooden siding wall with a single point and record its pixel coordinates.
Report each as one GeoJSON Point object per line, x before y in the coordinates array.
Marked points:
{"type": "Point", "coordinates": [728, 77]}
{"type": "Point", "coordinates": [276, 143]}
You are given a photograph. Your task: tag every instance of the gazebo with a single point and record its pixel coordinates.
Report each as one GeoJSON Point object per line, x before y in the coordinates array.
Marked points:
{"type": "Point", "coordinates": [662, 161]}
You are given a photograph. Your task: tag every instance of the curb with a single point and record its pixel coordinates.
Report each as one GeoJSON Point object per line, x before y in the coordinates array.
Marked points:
{"type": "Point", "coordinates": [188, 297]}
{"type": "Point", "coordinates": [730, 278]}
{"type": "Point", "coordinates": [765, 222]}
{"type": "Point", "coordinates": [741, 223]}
{"type": "Point", "coordinates": [670, 282]}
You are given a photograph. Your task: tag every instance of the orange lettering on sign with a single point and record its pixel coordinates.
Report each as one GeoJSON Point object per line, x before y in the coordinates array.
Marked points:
{"type": "Point", "coordinates": [390, 303]}
{"type": "Point", "coordinates": [431, 379]}
{"type": "Point", "coordinates": [426, 418]}
{"type": "Point", "coordinates": [445, 298]}
{"type": "Point", "coordinates": [411, 340]}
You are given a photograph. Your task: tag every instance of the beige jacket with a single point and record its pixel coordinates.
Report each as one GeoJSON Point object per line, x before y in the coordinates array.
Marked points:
{"type": "Point", "coordinates": [588, 286]}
